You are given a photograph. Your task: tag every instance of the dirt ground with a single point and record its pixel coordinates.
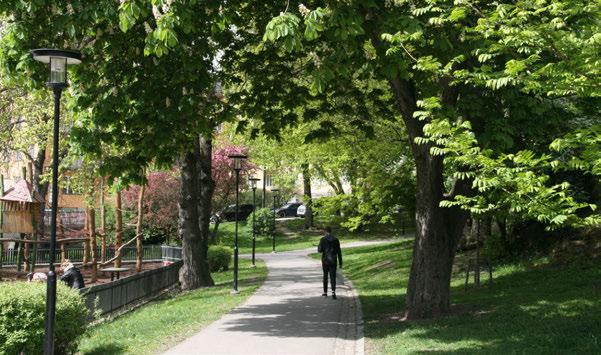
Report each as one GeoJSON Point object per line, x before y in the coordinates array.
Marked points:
{"type": "Point", "coordinates": [11, 274]}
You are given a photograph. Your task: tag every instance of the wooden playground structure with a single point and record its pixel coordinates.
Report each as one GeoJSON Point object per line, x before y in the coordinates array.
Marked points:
{"type": "Point", "coordinates": [21, 215]}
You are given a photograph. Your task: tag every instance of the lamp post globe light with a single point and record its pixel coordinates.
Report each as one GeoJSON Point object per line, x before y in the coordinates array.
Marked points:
{"type": "Point", "coordinates": [253, 185]}
{"type": "Point", "coordinates": [57, 61]}
{"type": "Point", "coordinates": [237, 158]}
{"type": "Point", "coordinates": [274, 191]}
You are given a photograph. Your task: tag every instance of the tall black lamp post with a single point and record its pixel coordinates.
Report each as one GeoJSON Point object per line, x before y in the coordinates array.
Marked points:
{"type": "Point", "coordinates": [57, 60]}
{"type": "Point", "coordinates": [253, 185]}
{"type": "Point", "coordinates": [274, 193]}
{"type": "Point", "coordinates": [237, 158]}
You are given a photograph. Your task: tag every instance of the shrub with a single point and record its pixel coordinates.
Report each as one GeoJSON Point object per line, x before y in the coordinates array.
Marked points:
{"type": "Point", "coordinates": [264, 225]}
{"type": "Point", "coordinates": [219, 258]}
{"type": "Point", "coordinates": [494, 247]}
{"type": "Point", "coordinates": [22, 309]}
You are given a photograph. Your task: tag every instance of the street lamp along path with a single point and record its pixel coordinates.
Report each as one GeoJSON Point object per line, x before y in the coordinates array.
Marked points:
{"type": "Point", "coordinates": [57, 60]}
{"type": "Point", "coordinates": [237, 158]}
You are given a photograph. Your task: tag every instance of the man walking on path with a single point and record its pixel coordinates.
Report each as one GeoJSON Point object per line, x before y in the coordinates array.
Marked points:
{"type": "Point", "coordinates": [329, 247]}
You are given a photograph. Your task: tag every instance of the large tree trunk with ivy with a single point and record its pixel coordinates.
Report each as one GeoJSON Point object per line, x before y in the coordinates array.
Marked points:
{"type": "Point", "coordinates": [195, 271]}
{"type": "Point", "coordinates": [438, 230]}
{"type": "Point", "coordinates": [308, 199]}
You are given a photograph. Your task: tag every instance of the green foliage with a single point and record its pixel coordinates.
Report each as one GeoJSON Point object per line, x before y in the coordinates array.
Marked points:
{"type": "Point", "coordinates": [518, 183]}
{"type": "Point", "coordinates": [22, 309]}
{"type": "Point", "coordinates": [219, 258]}
{"type": "Point", "coordinates": [284, 26]}
{"type": "Point", "coordinates": [264, 222]}
{"type": "Point", "coordinates": [328, 208]}
{"type": "Point", "coordinates": [580, 150]}
{"type": "Point", "coordinates": [494, 247]}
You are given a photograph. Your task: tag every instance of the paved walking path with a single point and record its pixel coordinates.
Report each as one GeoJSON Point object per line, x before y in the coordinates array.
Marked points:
{"type": "Point", "coordinates": [287, 315]}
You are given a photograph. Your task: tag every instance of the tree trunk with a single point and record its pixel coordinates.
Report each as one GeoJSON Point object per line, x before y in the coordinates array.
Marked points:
{"type": "Point", "coordinates": [438, 230]}
{"type": "Point", "coordinates": [39, 185]}
{"type": "Point", "coordinates": [102, 223]}
{"type": "Point", "coordinates": [194, 272]}
{"type": "Point", "coordinates": [430, 276]}
{"type": "Point", "coordinates": [215, 230]}
{"type": "Point", "coordinates": [139, 248]}
{"type": "Point", "coordinates": [207, 187]}
{"type": "Point", "coordinates": [307, 196]}
{"type": "Point", "coordinates": [118, 226]}
{"type": "Point", "coordinates": [264, 188]}
{"type": "Point", "coordinates": [1, 221]}
{"type": "Point", "coordinates": [86, 244]}
{"type": "Point", "coordinates": [92, 227]}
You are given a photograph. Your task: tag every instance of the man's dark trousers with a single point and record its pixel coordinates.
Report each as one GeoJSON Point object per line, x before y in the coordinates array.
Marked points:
{"type": "Point", "coordinates": [329, 269]}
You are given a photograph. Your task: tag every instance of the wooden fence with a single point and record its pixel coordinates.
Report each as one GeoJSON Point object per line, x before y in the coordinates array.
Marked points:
{"type": "Point", "coordinates": [113, 296]}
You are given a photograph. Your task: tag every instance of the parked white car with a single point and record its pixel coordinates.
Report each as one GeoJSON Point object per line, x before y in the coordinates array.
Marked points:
{"type": "Point", "coordinates": [300, 212]}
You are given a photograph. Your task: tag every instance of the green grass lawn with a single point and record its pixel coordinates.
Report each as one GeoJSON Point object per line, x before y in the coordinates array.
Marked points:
{"type": "Point", "coordinates": [291, 236]}
{"type": "Point", "coordinates": [531, 308]}
{"type": "Point", "coordinates": [164, 323]}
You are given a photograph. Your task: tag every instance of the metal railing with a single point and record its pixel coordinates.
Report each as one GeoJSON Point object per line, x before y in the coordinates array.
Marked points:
{"type": "Point", "coordinates": [149, 253]}
{"type": "Point", "coordinates": [171, 253]}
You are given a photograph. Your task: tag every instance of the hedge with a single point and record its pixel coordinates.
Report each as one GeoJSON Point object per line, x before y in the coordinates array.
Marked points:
{"type": "Point", "coordinates": [22, 309]}
{"type": "Point", "coordinates": [219, 258]}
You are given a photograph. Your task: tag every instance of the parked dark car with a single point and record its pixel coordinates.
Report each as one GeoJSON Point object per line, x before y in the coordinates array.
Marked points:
{"type": "Point", "coordinates": [288, 210]}
{"type": "Point", "coordinates": [229, 213]}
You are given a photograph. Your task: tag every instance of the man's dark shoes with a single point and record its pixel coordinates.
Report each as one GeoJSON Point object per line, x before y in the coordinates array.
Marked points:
{"type": "Point", "coordinates": [333, 296]}
{"type": "Point", "coordinates": [324, 294]}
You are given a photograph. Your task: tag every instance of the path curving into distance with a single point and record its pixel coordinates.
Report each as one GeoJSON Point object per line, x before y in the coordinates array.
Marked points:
{"type": "Point", "coordinates": [287, 315]}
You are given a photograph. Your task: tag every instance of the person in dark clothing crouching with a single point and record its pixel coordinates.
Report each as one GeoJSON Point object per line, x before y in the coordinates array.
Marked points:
{"type": "Point", "coordinates": [329, 247]}
{"type": "Point", "coordinates": [71, 275]}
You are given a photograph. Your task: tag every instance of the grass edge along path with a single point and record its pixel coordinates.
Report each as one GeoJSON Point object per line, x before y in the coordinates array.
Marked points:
{"type": "Point", "coordinates": [532, 307]}
{"type": "Point", "coordinates": [296, 238]}
{"type": "Point", "coordinates": [162, 324]}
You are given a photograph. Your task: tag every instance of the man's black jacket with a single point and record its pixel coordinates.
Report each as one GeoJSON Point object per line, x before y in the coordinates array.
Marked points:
{"type": "Point", "coordinates": [329, 247]}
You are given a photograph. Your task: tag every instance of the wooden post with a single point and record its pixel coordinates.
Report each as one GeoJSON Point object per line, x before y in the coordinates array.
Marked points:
{"type": "Point", "coordinates": [26, 253]}
{"type": "Point", "coordinates": [118, 226]}
{"type": "Point", "coordinates": [1, 220]}
{"type": "Point", "coordinates": [63, 253]}
{"type": "Point", "coordinates": [61, 228]}
{"type": "Point", "coordinates": [20, 254]}
{"type": "Point", "coordinates": [139, 248]}
{"type": "Point", "coordinates": [86, 251]}
{"type": "Point", "coordinates": [34, 236]}
{"type": "Point", "coordinates": [102, 223]}
{"type": "Point", "coordinates": [92, 226]}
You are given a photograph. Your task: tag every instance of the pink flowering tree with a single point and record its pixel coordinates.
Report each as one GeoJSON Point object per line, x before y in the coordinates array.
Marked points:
{"type": "Point", "coordinates": [160, 207]}
{"type": "Point", "coordinates": [160, 218]}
